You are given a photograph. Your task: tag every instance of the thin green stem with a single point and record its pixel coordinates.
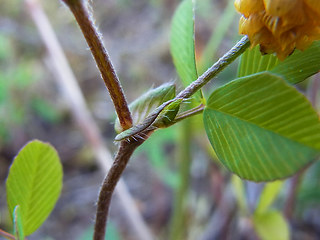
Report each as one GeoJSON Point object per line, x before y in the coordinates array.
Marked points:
{"type": "Point", "coordinates": [216, 68]}
{"type": "Point", "coordinates": [189, 113]}
{"type": "Point", "coordinates": [177, 226]}
{"type": "Point", "coordinates": [80, 11]}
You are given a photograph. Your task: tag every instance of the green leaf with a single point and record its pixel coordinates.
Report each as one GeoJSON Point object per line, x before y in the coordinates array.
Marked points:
{"type": "Point", "coordinates": [162, 115]}
{"type": "Point", "coordinates": [147, 103]}
{"type": "Point", "coordinates": [294, 69]}
{"type": "Point", "coordinates": [17, 223]}
{"type": "Point", "coordinates": [268, 195]}
{"type": "Point", "coordinates": [239, 191]}
{"type": "Point", "coordinates": [182, 43]}
{"type": "Point", "coordinates": [252, 61]}
{"type": "Point", "coordinates": [34, 183]}
{"type": "Point", "coordinates": [271, 226]}
{"type": "Point", "coordinates": [261, 128]}
{"type": "Point", "coordinates": [300, 65]}
{"type": "Point", "coordinates": [168, 114]}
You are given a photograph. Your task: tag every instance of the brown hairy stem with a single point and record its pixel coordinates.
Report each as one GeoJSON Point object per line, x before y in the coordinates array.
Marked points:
{"type": "Point", "coordinates": [93, 38]}
{"type": "Point", "coordinates": [71, 91]}
{"type": "Point", "coordinates": [124, 153]}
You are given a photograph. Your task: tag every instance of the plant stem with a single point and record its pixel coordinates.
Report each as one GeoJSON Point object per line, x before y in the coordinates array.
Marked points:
{"type": "Point", "coordinates": [177, 228]}
{"type": "Point", "coordinates": [216, 68]}
{"type": "Point", "coordinates": [73, 96]}
{"type": "Point", "coordinates": [217, 36]}
{"type": "Point", "coordinates": [93, 38]}
{"type": "Point", "coordinates": [6, 235]}
{"type": "Point", "coordinates": [124, 153]}
{"type": "Point", "coordinates": [127, 148]}
{"type": "Point", "coordinates": [312, 94]}
{"type": "Point", "coordinates": [189, 113]}
{"type": "Point", "coordinates": [291, 199]}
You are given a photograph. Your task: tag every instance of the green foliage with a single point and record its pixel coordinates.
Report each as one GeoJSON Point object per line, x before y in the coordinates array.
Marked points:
{"type": "Point", "coordinates": [19, 95]}
{"type": "Point", "coordinates": [182, 43]}
{"type": "Point", "coordinates": [5, 47]}
{"type": "Point", "coordinates": [168, 114]}
{"type": "Point", "coordinates": [217, 37]}
{"type": "Point", "coordinates": [155, 150]}
{"type": "Point", "coordinates": [239, 191]}
{"type": "Point", "coordinates": [294, 69]}
{"type": "Point", "coordinates": [45, 110]}
{"type": "Point", "coordinates": [34, 183]}
{"type": "Point", "coordinates": [271, 225]}
{"type": "Point", "coordinates": [268, 195]}
{"type": "Point", "coordinates": [309, 194]}
{"type": "Point", "coordinates": [162, 115]}
{"type": "Point", "coordinates": [300, 65]}
{"type": "Point", "coordinates": [253, 62]}
{"type": "Point", "coordinates": [143, 106]}
{"type": "Point", "coordinates": [261, 128]}
{"type": "Point", "coordinates": [17, 223]}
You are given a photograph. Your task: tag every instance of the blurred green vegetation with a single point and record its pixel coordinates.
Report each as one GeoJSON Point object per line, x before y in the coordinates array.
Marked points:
{"type": "Point", "coordinates": [19, 95]}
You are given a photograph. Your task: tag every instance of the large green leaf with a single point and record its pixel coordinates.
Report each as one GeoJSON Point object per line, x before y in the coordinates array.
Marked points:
{"type": "Point", "coordinates": [271, 226]}
{"type": "Point", "coordinates": [34, 183]}
{"type": "Point", "coordinates": [261, 128]}
{"type": "Point", "coordinates": [182, 43]}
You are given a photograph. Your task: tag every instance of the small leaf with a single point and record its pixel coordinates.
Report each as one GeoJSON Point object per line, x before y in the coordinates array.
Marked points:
{"type": "Point", "coordinates": [268, 195]}
{"type": "Point", "coordinates": [300, 65]}
{"type": "Point", "coordinates": [271, 226]}
{"type": "Point", "coordinates": [34, 183]}
{"type": "Point", "coordinates": [252, 61]}
{"type": "Point", "coordinates": [17, 223]}
{"type": "Point", "coordinates": [148, 102]}
{"type": "Point", "coordinates": [239, 191]}
{"type": "Point", "coordinates": [182, 43]}
{"type": "Point", "coordinates": [154, 120]}
{"type": "Point", "coordinates": [168, 114]}
{"type": "Point", "coordinates": [261, 128]}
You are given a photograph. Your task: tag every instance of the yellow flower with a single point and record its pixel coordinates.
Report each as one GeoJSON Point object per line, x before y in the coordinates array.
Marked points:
{"type": "Point", "coordinates": [280, 26]}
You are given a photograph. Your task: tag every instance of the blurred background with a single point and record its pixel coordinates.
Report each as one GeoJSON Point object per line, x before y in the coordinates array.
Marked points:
{"type": "Point", "coordinates": [137, 37]}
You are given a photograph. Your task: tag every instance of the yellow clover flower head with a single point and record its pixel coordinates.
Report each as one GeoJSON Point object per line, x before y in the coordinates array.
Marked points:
{"type": "Point", "coordinates": [280, 26]}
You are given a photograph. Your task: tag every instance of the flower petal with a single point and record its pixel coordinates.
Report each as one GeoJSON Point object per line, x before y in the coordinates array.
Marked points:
{"type": "Point", "coordinates": [279, 7]}
{"type": "Point", "coordinates": [314, 5]}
